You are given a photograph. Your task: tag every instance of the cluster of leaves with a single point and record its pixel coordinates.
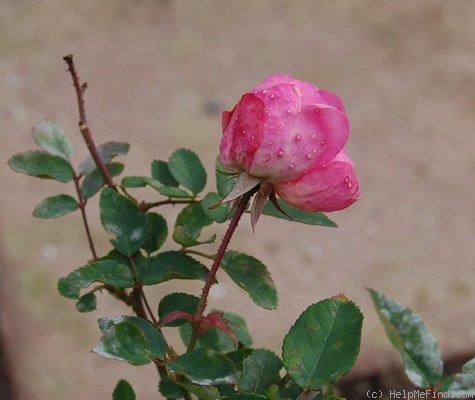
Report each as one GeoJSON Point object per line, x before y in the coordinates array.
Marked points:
{"type": "Point", "coordinates": [219, 361]}
{"type": "Point", "coordinates": [320, 348]}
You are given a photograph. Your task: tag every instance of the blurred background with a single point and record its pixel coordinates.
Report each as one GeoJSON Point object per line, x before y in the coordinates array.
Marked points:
{"type": "Point", "coordinates": [159, 75]}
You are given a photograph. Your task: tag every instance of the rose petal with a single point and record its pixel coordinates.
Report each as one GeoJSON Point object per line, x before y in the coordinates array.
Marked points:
{"type": "Point", "coordinates": [299, 143]}
{"type": "Point", "coordinates": [331, 99]}
{"type": "Point", "coordinates": [330, 188]}
{"type": "Point", "coordinates": [308, 92]}
{"type": "Point", "coordinates": [243, 133]}
{"type": "Point", "coordinates": [343, 156]}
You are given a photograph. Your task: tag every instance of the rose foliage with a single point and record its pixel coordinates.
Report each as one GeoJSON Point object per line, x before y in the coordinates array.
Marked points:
{"type": "Point", "coordinates": [285, 138]}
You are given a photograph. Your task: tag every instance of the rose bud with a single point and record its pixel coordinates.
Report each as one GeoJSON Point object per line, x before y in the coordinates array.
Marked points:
{"type": "Point", "coordinates": [288, 137]}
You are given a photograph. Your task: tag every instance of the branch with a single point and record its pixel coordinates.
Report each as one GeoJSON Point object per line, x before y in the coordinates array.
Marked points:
{"type": "Point", "coordinates": [83, 127]}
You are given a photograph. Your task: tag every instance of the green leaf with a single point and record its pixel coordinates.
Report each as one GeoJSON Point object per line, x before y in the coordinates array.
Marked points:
{"type": "Point", "coordinates": [139, 181]}
{"type": "Point", "coordinates": [218, 213]}
{"type": "Point", "coordinates": [411, 337]}
{"type": "Point", "coordinates": [327, 393]}
{"type": "Point", "coordinates": [225, 179]}
{"type": "Point", "coordinates": [170, 265]}
{"type": "Point", "coordinates": [202, 392]}
{"type": "Point", "coordinates": [462, 384]}
{"type": "Point", "coordinates": [42, 165]}
{"type": "Point", "coordinates": [174, 390]}
{"type": "Point", "coordinates": [124, 342]}
{"type": "Point", "coordinates": [252, 276]}
{"type": "Point", "coordinates": [104, 271]}
{"type": "Point", "coordinates": [170, 191]}
{"type": "Point", "coordinates": [469, 366]}
{"type": "Point", "coordinates": [286, 389]}
{"type": "Point", "coordinates": [123, 391]}
{"type": "Point", "coordinates": [68, 289]}
{"type": "Point", "coordinates": [94, 181]}
{"type": "Point", "coordinates": [134, 181]}
{"type": "Point", "coordinates": [188, 225]}
{"type": "Point", "coordinates": [459, 385]}
{"type": "Point", "coordinates": [261, 369]}
{"type": "Point", "coordinates": [204, 367]}
{"type": "Point", "coordinates": [178, 302]}
{"type": "Point", "coordinates": [246, 396]}
{"type": "Point", "coordinates": [217, 340]}
{"type": "Point", "coordinates": [50, 137]}
{"type": "Point", "coordinates": [55, 206]}
{"type": "Point", "coordinates": [296, 215]}
{"type": "Point", "coordinates": [170, 389]}
{"type": "Point", "coordinates": [130, 339]}
{"type": "Point", "coordinates": [86, 303]}
{"type": "Point", "coordinates": [119, 258]}
{"type": "Point", "coordinates": [156, 232]}
{"type": "Point", "coordinates": [323, 343]}
{"type": "Point", "coordinates": [121, 217]}
{"type": "Point", "coordinates": [107, 151]}
{"type": "Point", "coordinates": [187, 169]}
{"type": "Point", "coordinates": [161, 173]}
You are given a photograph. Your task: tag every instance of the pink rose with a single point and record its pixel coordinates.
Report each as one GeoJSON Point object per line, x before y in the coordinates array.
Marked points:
{"type": "Point", "coordinates": [288, 136]}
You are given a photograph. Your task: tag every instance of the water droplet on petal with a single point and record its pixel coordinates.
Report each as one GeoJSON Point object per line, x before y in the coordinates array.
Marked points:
{"type": "Point", "coordinates": [272, 96]}
{"type": "Point", "coordinates": [291, 166]}
{"type": "Point", "coordinates": [280, 127]}
{"type": "Point", "coordinates": [298, 137]}
{"type": "Point", "coordinates": [289, 111]}
{"type": "Point", "coordinates": [280, 153]}
{"type": "Point", "coordinates": [270, 142]}
{"type": "Point", "coordinates": [266, 158]}
{"type": "Point", "coordinates": [322, 142]}
{"type": "Point", "coordinates": [252, 137]}
{"type": "Point", "coordinates": [314, 135]}
{"type": "Point", "coordinates": [309, 156]}
{"type": "Point", "coordinates": [314, 150]}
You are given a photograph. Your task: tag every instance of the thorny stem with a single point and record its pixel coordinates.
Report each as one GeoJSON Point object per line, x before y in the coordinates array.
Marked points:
{"type": "Point", "coordinates": [139, 303]}
{"type": "Point", "coordinates": [217, 262]}
{"type": "Point", "coordinates": [82, 207]}
{"type": "Point", "coordinates": [83, 127]}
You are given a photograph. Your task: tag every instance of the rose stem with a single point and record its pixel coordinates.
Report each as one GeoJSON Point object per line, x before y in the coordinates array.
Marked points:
{"type": "Point", "coordinates": [217, 261]}
{"type": "Point", "coordinates": [83, 127]}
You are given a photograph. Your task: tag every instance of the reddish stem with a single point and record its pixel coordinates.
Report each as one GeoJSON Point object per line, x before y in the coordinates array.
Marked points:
{"type": "Point", "coordinates": [85, 131]}
{"type": "Point", "coordinates": [217, 262]}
